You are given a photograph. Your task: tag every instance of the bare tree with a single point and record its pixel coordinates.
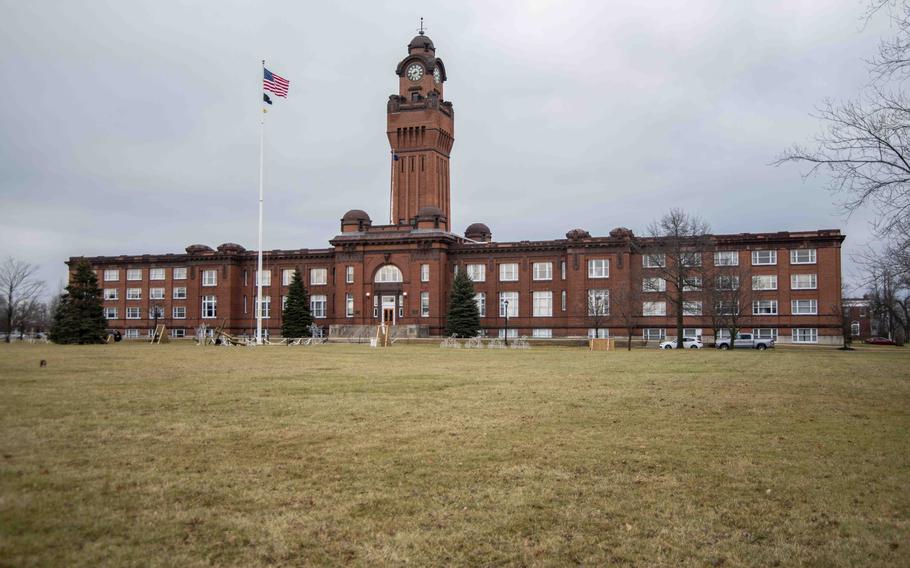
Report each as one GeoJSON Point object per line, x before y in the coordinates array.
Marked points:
{"type": "Point", "coordinates": [674, 253]}
{"type": "Point", "coordinates": [728, 295]}
{"type": "Point", "coordinates": [598, 309]}
{"type": "Point", "coordinates": [627, 309]}
{"type": "Point", "coordinates": [18, 287]}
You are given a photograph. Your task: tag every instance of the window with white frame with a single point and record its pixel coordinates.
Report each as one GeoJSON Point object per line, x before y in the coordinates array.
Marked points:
{"type": "Point", "coordinates": [178, 273]}
{"type": "Point", "coordinates": [387, 273]}
{"type": "Point", "coordinates": [802, 256]}
{"type": "Point", "coordinates": [156, 312]}
{"type": "Point", "coordinates": [179, 312]}
{"type": "Point", "coordinates": [542, 333]}
{"type": "Point", "coordinates": [156, 293]}
{"type": "Point", "coordinates": [803, 282]}
{"type": "Point", "coordinates": [689, 332]}
{"type": "Point", "coordinates": [349, 274]}
{"type": "Point", "coordinates": [318, 305]}
{"type": "Point", "coordinates": [266, 306]}
{"type": "Point", "coordinates": [598, 333]}
{"type": "Point", "coordinates": [562, 269]}
{"type": "Point", "coordinates": [179, 293]}
{"type": "Point", "coordinates": [764, 308]}
{"type": "Point", "coordinates": [726, 258]}
{"type": "Point", "coordinates": [563, 302]}
{"type": "Point", "coordinates": [691, 283]}
{"type": "Point", "coordinates": [132, 313]}
{"type": "Point", "coordinates": [209, 277]}
{"type": "Point", "coordinates": [424, 304]}
{"type": "Point", "coordinates": [598, 268]}
{"type": "Point", "coordinates": [542, 304]}
{"type": "Point", "coordinates": [111, 275]}
{"type": "Point", "coordinates": [654, 260]}
{"type": "Point", "coordinates": [762, 257]}
{"type": "Point", "coordinates": [265, 280]}
{"type": "Point", "coordinates": [110, 294]}
{"type": "Point", "coordinates": [477, 272]}
{"type": "Point", "coordinates": [654, 308]}
{"type": "Point", "coordinates": [424, 272]}
{"type": "Point", "coordinates": [134, 293]}
{"type": "Point", "coordinates": [764, 282]}
{"type": "Point", "coordinates": [156, 274]}
{"type": "Point", "coordinates": [690, 259]}
{"type": "Point", "coordinates": [726, 282]}
{"type": "Point", "coordinates": [287, 275]}
{"type": "Point", "coordinates": [178, 333]}
{"type": "Point", "coordinates": [765, 333]}
{"type": "Point", "coordinates": [134, 274]}
{"type": "Point", "coordinates": [349, 305]}
{"type": "Point", "coordinates": [512, 333]}
{"type": "Point", "coordinates": [804, 307]}
{"type": "Point", "coordinates": [508, 272]}
{"type": "Point", "coordinates": [655, 284]}
{"type": "Point", "coordinates": [284, 303]}
{"type": "Point", "coordinates": [111, 313]}
{"type": "Point", "coordinates": [599, 302]}
{"type": "Point", "coordinates": [481, 300]}
{"type": "Point", "coordinates": [653, 334]}
{"type": "Point", "coordinates": [854, 328]}
{"type": "Point", "coordinates": [805, 335]}
{"type": "Point", "coordinates": [543, 271]}
{"type": "Point", "coordinates": [512, 299]}
{"type": "Point", "coordinates": [722, 334]}
{"type": "Point", "coordinates": [726, 308]}
{"type": "Point", "coordinates": [209, 307]}
{"type": "Point", "coordinates": [245, 302]}
{"type": "Point", "coordinates": [131, 334]}
{"type": "Point", "coordinates": [692, 308]}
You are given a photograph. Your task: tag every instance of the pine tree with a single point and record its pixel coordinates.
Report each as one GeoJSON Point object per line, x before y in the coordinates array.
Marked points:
{"type": "Point", "coordinates": [79, 317]}
{"type": "Point", "coordinates": [464, 317]}
{"type": "Point", "coordinates": [296, 317]}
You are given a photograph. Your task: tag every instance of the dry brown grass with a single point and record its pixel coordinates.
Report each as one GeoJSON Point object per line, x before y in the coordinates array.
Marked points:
{"type": "Point", "coordinates": [179, 455]}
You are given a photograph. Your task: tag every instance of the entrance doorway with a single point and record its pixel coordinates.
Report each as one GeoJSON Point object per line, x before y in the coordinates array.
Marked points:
{"type": "Point", "coordinates": [388, 310]}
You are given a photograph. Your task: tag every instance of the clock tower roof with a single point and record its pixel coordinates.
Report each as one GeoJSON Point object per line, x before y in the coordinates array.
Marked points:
{"type": "Point", "coordinates": [421, 42]}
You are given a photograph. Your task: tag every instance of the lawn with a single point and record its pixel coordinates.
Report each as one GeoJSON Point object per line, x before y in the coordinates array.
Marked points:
{"type": "Point", "coordinates": [177, 455]}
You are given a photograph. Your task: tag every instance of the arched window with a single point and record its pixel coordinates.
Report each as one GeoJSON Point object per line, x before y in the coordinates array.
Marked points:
{"type": "Point", "coordinates": [388, 273]}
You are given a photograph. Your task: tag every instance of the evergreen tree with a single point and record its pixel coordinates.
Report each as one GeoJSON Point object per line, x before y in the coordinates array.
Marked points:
{"type": "Point", "coordinates": [464, 317]}
{"type": "Point", "coordinates": [79, 317]}
{"type": "Point", "coordinates": [296, 317]}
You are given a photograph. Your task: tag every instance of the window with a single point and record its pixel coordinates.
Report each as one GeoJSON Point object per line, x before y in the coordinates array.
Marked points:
{"type": "Point", "coordinates": [803, 281]}
{"type": "Point", "coordinates": [156, 274]}
{"type": "Point", "coordinates": [760, 257]}
{"type": "Point", "coordinates": [178, 274]}
{"type": "Point", "coordinates": [764, 282]}
{"type": "Point", "coordinates": [179, 293]}
{"type": "Point", "coordinates": [156, 312]}
{"type": "Point", "coordinates": [764, 308]}
{"type": "Point", "coordinates": [111, 275]}
{"type": "Point", "coordinates": [765, 333]}
{"type": "Point", "coordinates": [508, 272]}
{"type": "Point", "coordinates": [655, 260]}
{"type": "Point", "coordinates": [110, 294]}
{"type": "Point", "coordinates": [654, 308]}
{"type": "Point", "coordinates": [691, 284]}
{"type": "Point", "coordinates": [512, 333]}
{"type": "Point", "coordinates": [477, 272]}
{"type": "Point", "coordinates": [111, 314]}
{"type": "Point", "coordinates": [267, 306]}
{"type": "Point", "coordinates": [318, 304]}
{"type": "Point", "coordinates": [692, 308]}
{"type": "Point", "coordinates": [134, 293]}
{"type": "Point", "coordinates": [562, 269]}
{"type": "Point", "coordinates": [132, 334]}
{"type": "Point", "coordinates": [179, 312]}
{"type": "Point", "coordinates": [726, 308]}
{"type": "Point", "coordinates": [805, 335]}
{"type": "Point", "coordinates": [653, 334]}
{"type": "Point", "coordinates": [375, 306]}
{"type": "Point", "coordinates": [689, 332]}
{"type": "Point", "coordinates": [510, 299]}
{"type": "Point", "coordinates": [690, 259]}
{"type": "Point", "coordinates": [542, 304]}
{"type": "Point", "coordinates": [134, 274]}
{"type": "Point", "coordinates": [244, 304]}
{"type": "Point", "coordinates": [726, 258]}
{"type": "Point", "coordinates": [209, 307]}
{"type": "Point", "coordinates": [653, 285]}
{"type": "Point", "coordinates": [804, 307]}
{"type": "Point", "coordinates": [723, 334]}
{"type": "Point", "coordinates": [284, 303]}
{"type": "Point", "coordinates": [563, 301]}
{"type": "Point", "coordinates": [598, 302]}
{"type": "Point", "coordinates": [209, 277]}
{"type": "Point", "coordinates": [424, 304]}
{"type": "Point", "coordinates": [424, 272]}
{"type": "Point", "coordinates": [481, 300]}
{"type": "Point", "coordinates": [349, 274]}
{"type": "Point", "coordinates": [387, 273]}
{"type": "Point", "coordinates": [286, 276]}
{"type": "Point", "coordinates": [854, 327]}
{"type": "Point", "coordinates": [401, 305]}
{"type": "Point", "coordinates": [178, 333]}
{"type": "Point", "coordinates": [542, 333]}
{"type": "Point", "coordinates": [543, 271]}
{"type": "Point", "coordinates": [349, 305]}
{"type": "Point", "coordinates": [726, 283]}
{"type": "Point", "coordinates": [802, 256]}
{"type": "Point", "coordinates": [132, 313]}
{"type": "Point", "coordinates": [156, 293]}
{"type": "Point", "coordinates": [598, 333]}
{"type": "Point", "coordinates": [598, 268]}
{"type": "Point", "coordinates": [266, 279]}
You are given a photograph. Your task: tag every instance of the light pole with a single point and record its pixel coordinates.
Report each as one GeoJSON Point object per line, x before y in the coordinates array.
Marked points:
{"type": "Point", "coordinates": [506, 304]}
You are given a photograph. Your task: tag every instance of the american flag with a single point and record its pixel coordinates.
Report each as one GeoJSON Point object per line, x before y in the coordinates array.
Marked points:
{"type": "Point", "coordinates": [276, 84]}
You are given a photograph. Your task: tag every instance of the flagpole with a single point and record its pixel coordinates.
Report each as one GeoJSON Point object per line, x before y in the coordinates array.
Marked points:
{"type": "Point", "coordinates": [259, 260]}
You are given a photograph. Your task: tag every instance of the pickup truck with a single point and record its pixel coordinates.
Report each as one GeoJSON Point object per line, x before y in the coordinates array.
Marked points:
{"type": "Point", "coordinates": [745, 341]}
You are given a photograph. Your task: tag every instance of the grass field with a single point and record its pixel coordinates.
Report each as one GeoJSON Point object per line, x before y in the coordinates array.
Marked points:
{"type": "Point", "coordinates": [177, 455]}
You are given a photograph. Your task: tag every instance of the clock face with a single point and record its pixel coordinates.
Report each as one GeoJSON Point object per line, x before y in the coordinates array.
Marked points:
{"type": "Point", "coordinates": [415, 72]}
{"type": "Point", "coordinates": [437, 76]}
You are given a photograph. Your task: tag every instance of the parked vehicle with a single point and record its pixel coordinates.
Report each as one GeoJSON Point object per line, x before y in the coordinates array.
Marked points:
{"type": "Point", "coordinates": [879, 341]}
{"type": "Point", "coordinates": [688, 343]}
{"type": "Point", "coordinates": [745, 341]}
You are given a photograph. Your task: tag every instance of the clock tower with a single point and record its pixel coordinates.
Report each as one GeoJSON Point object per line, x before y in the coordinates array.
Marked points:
{"type": "Point", "coordinates": [421, 131]}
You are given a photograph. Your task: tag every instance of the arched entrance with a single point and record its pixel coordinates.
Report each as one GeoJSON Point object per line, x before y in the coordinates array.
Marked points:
{"type": "Point", "coordinates": [388, 299]}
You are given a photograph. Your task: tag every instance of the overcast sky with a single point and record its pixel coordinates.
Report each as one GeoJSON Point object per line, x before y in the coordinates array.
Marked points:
{"type": "Point", "coordinates": [132, 127]}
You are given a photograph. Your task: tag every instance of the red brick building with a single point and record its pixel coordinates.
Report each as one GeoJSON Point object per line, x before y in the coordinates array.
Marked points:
{"type": "Point", "coordinates": [402, 271]}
